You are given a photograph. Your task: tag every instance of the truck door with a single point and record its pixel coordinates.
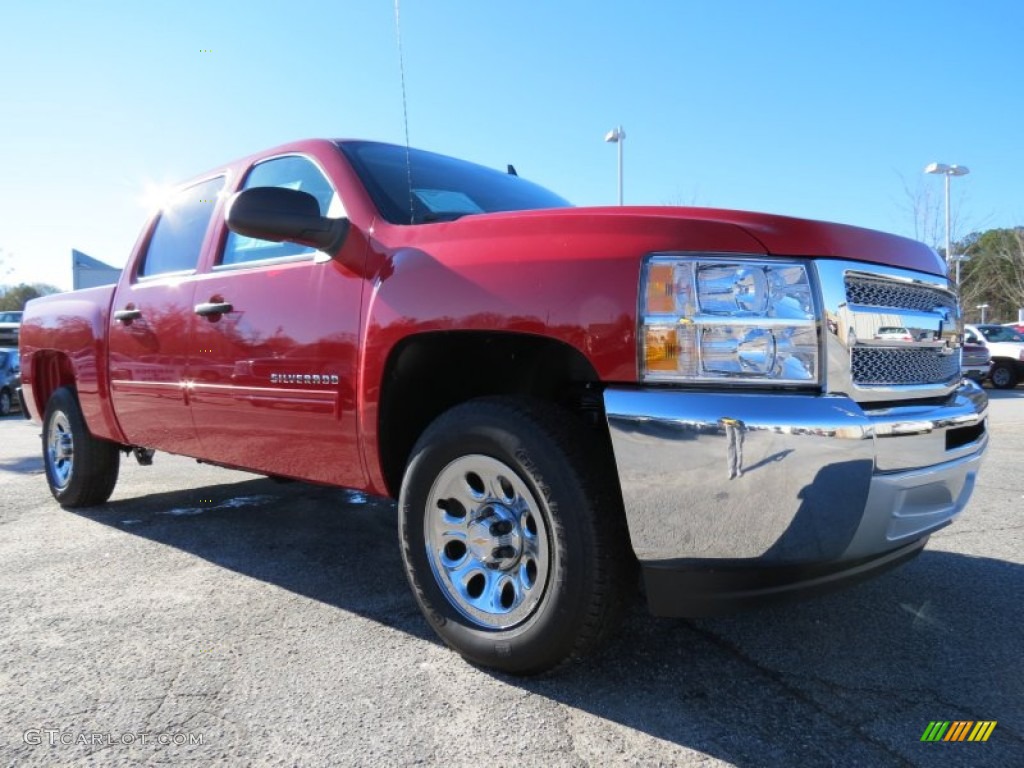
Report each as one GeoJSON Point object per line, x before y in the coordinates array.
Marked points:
{"type": "Point", "coordinates": [276, 332]}
{"type": "Point", "coordinates": [151, 324]}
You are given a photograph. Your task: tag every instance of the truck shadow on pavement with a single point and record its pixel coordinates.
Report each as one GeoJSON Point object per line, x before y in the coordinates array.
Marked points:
{"type": "Point", "coordinates": [332, 545]}
{"type": "Point", "coordinates": [24, 465]}
{"type": "Point", "coordinates": [850, 678]}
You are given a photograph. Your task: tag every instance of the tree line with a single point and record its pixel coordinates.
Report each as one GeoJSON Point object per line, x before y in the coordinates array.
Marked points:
{"type": "Point", "coordinates": [17, 296]}
{"type": "Point", "coordinates": [992, 273]}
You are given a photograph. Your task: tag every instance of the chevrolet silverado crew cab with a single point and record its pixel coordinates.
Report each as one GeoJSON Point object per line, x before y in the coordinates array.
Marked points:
{"type": "Point", "coordinates": [555, 395]}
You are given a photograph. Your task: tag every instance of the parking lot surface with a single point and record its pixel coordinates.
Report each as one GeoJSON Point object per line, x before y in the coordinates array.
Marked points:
{"type": "Point", "coordinates": [206, 617]}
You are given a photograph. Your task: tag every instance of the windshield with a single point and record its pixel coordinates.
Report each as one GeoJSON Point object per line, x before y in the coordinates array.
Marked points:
{"type": "Point", "coordinates": [998, 333]}
{"type": "Point", "coordinates": [442, 188]}
{"type": "Point", "coordinates": [10, 317]}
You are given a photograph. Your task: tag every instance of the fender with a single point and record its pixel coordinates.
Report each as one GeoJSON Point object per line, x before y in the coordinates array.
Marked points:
{"type": "Point", "coordinates": [72, 327]}
{"type": "Point", "coordinates": [568, 278]}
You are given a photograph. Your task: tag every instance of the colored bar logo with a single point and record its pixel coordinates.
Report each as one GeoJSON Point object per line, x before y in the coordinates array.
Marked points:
{"type": "Point", "coordinates": [958, 730]}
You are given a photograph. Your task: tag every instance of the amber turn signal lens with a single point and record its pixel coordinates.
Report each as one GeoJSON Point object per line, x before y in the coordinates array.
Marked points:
{"type": "Point", "coordinates": [661, 288]}
{"type": "Point", "coordinates": [661, 349]}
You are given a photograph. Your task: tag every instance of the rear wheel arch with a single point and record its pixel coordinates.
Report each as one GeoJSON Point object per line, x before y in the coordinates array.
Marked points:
{"type": "Point", "coordinates": [51, 370]}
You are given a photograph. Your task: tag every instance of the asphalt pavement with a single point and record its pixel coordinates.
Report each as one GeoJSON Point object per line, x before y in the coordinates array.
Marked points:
{"type": "Point", "coordinates": [211, 617]}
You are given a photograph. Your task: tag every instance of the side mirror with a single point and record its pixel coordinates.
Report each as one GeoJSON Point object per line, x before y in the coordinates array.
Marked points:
{"type": "Point", "coordinates": [280, 214]}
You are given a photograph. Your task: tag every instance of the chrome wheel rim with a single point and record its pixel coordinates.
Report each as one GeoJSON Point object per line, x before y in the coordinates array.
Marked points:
{"type": "Point", "coordinates": [487, 541]}
{"type": "Point", "coordinates": [1000, 377]}
{"type": "Point", "coordinates": [60, 450]}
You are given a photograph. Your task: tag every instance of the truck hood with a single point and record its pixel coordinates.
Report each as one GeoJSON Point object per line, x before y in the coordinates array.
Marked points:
{"type": "Point", "coordinates": [702, 229]}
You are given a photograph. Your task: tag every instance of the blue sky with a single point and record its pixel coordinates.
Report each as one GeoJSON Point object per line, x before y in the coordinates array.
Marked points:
{"type": "Point", "coordinates": [814, 109]}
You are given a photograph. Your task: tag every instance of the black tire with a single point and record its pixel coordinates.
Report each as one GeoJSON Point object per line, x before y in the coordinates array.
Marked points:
{"type": "Point", "coordinates": [555, 479]}
{"type": "Point", "coordinates": [81, 470]}
{"type": "Point", "coordinates": [1003, 375]}
{"type": "Point", "coordinates": [5, 402]}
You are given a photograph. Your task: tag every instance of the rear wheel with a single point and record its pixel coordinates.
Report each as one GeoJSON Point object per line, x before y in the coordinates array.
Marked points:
{"type": "Point", "coordinates": [81, 470]}
{"type": "Point", "coordinates": [1003, 375]}
{"type": "Point", "coordinates": [513, 536]}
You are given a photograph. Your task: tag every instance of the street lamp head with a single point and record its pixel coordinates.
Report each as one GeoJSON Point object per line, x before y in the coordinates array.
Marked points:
{"type": "Point", "coordinates": [615, 135]}
{"type": "Point", "coordinates": [947, 170]}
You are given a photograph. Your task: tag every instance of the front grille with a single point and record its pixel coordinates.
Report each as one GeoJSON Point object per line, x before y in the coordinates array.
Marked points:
{"type": "Point", "coordinates": [878, 366]}
{"type": "Point", "coordinates": [872, 292]}
{"type": "Point", "coordinates": [864, 304]}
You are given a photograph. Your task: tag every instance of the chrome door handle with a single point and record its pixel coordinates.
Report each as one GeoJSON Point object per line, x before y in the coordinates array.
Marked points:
{"type": "Point", "coordinates": [213, 308]}
{"type": "Point", "coordinates": [127, 315]}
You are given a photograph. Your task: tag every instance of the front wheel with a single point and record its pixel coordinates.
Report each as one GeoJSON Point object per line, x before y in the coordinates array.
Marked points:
{"type": "Point", "coordinates": [512, 535]}
{"type": "Point", "coordinates": [81, 470]}
{"type": "Point", "coordinates": [1004, 375]}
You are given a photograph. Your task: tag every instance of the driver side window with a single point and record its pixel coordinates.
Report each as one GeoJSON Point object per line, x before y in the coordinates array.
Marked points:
{"type": "Point", "coordinates": [176, 242]}
{"type": "Point", "coordinates": [290, 172]}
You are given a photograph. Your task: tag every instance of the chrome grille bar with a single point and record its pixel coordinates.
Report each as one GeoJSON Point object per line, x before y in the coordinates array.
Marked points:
{"type": "Point", "coordinates": [872, 366]}
{"type": "Point", "coordinates": [874, 292]}
{"type": "Point", "coordinates": [891, 334]}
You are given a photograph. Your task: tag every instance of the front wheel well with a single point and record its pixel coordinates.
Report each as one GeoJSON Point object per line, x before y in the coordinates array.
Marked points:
{"type": "Point", "coordinates": [427, 374]}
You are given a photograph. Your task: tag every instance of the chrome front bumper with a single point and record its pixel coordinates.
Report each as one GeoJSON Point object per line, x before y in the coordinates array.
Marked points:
{"type": "Point", "coordinates": [786, 479]}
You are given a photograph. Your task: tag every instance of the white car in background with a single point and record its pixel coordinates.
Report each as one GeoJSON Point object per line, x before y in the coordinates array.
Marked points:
{"type": "Point", "coordinates": [894, 333]}
{"type": "Point", "coordinates": [1007, 349]}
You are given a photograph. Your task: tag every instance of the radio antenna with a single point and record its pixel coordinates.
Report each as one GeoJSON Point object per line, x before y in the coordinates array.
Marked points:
{"type": "Point", "coordinates": [405, 107]}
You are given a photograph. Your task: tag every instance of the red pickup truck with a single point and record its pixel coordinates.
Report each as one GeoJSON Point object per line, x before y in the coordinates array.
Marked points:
{"type": "Point", "coordinates": [555, 395]}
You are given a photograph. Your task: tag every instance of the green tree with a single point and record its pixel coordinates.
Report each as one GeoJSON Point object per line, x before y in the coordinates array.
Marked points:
{"type": "Point", "coordinates": [994, 275]}
{"type": "Point", "coordinates": [15, 297]}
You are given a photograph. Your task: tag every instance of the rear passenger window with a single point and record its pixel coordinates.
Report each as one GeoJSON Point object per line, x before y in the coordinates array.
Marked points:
{"type": "Point", "coordinates": [292, 172]}
{"type": "Point", "coordinates": [178, 236]}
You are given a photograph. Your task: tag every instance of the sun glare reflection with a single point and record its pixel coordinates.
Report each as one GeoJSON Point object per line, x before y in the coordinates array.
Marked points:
{"type": "Point", "coordinates": [156, 196]}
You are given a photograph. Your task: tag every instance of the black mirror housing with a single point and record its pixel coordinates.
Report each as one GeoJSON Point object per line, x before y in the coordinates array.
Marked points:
{"type": "Point", "coordinates": [284, 215]}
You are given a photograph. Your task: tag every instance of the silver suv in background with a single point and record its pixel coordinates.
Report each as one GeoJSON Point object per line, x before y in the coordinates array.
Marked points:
{"type": "Point", "coordinates": [10, 326]}
{"type": "Point", "coordinates": [10, 379]}
{"type": "Point", "coordinates": [1006, 346]}
{"type": "Point", "coordinates": [975, 362]}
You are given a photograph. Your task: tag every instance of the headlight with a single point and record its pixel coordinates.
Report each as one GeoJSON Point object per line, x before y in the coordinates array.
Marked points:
{"type": "Point", "coordinates": [712, 318]}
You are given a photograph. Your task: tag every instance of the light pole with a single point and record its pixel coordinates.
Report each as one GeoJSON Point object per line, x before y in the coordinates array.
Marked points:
{"type": "Point", "coordinates": [983, 308]}
{"type": "Point", "coordinates": [947, 171]}
{"type": "Point", "coordinates": [617, 136]}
